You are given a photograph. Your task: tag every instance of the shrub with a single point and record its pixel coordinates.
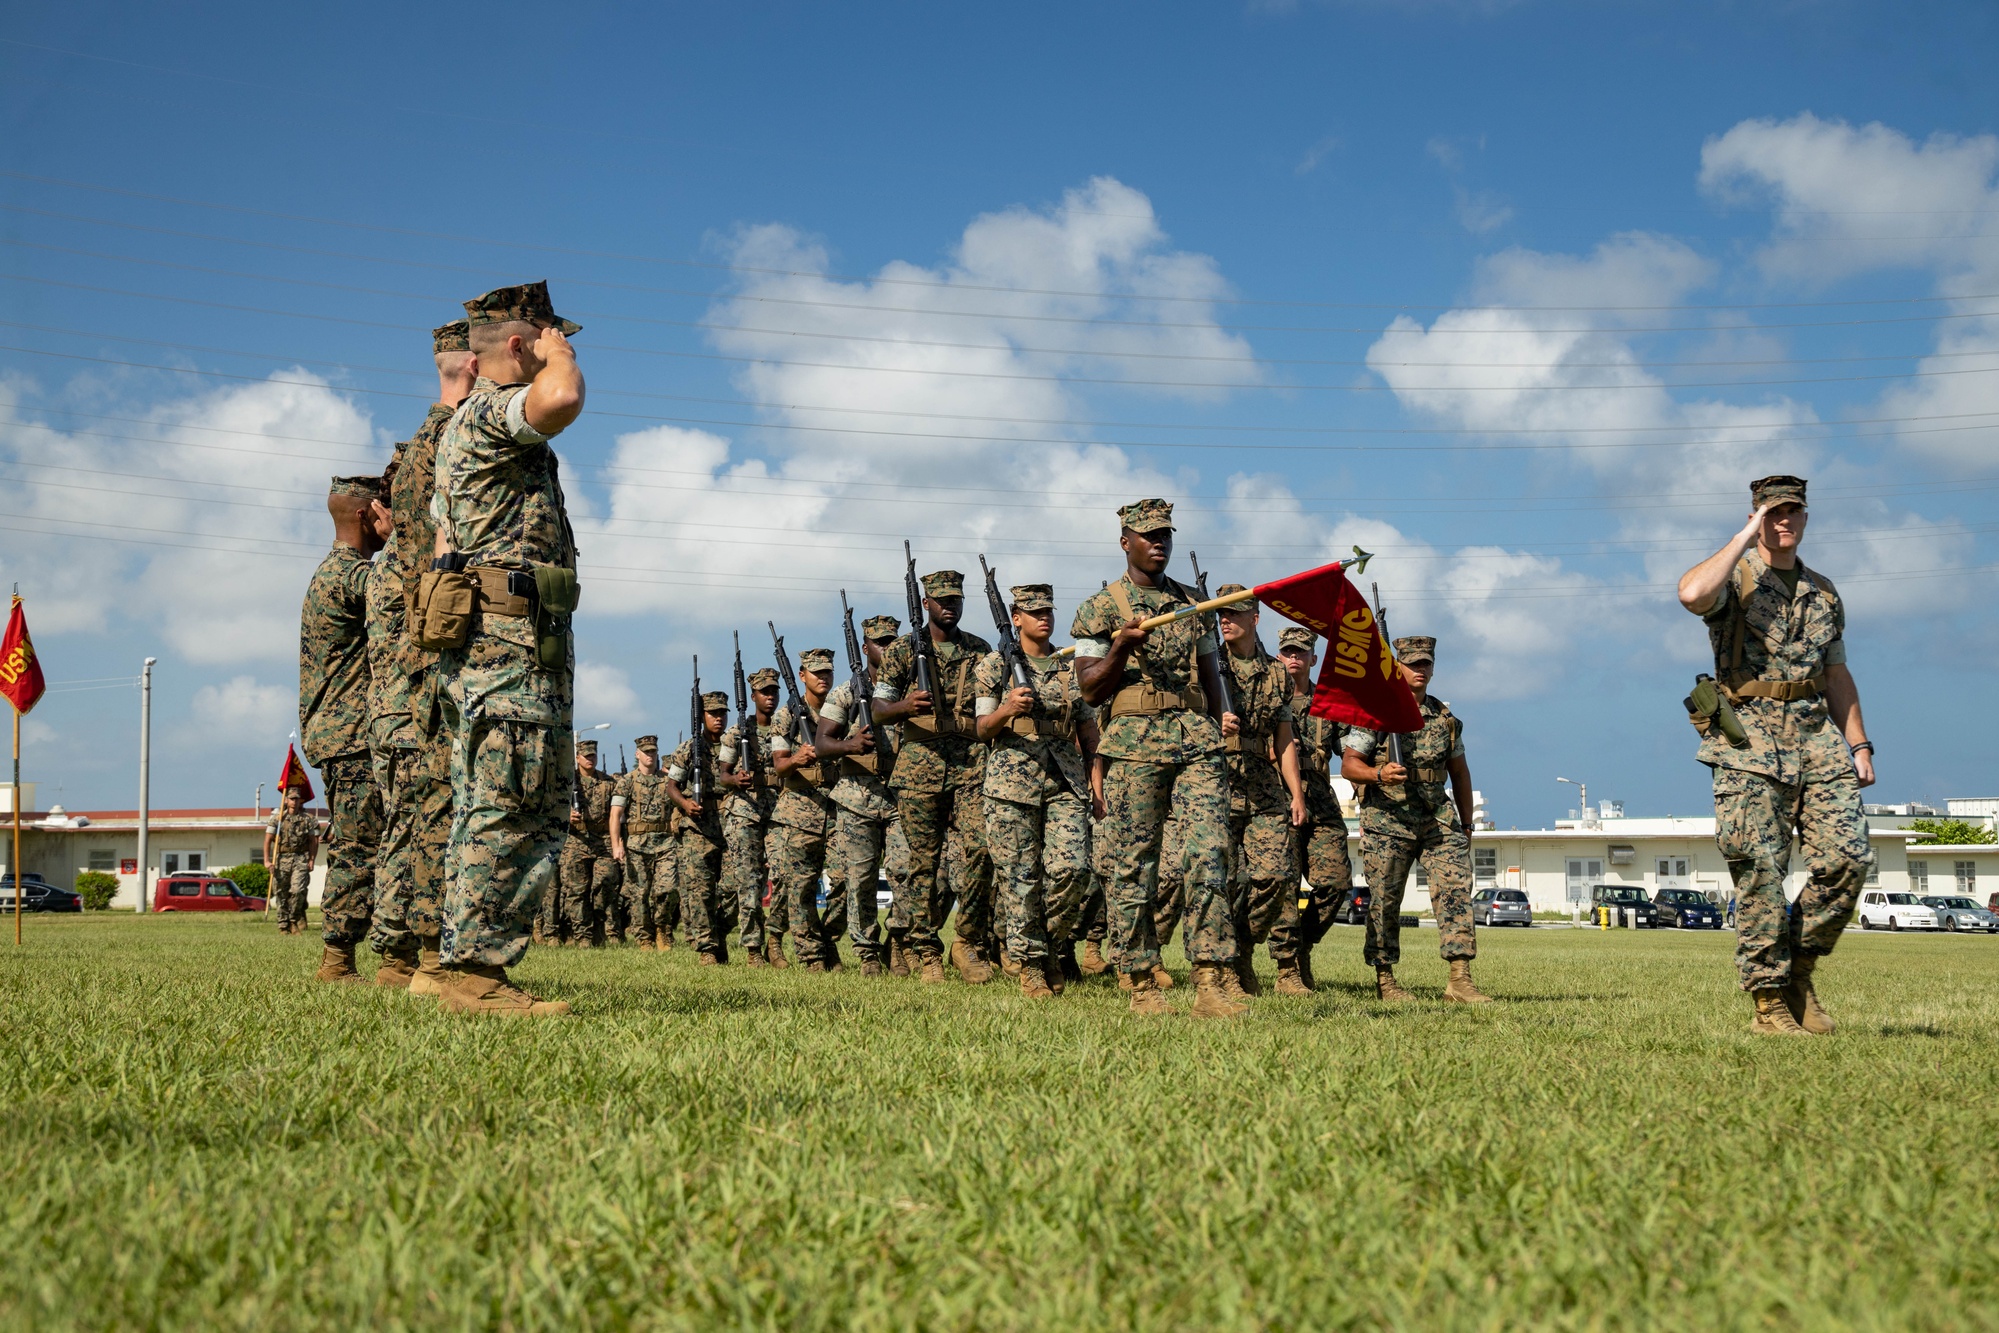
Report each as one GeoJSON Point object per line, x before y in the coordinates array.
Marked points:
{"type": "Point", "coordinates": [1954, 832]}
{"type": "Point", "coordinates": [96, 888]}
{"type": "Point", "coordinates": [250, 877]}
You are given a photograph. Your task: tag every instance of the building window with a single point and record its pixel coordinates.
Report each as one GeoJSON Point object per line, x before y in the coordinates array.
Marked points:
{"type": "Point", "coordinates": [1421, 876]}
{"type": "Point", "coordinates": [103, 858]}
{"type": "Point", "coordinates": [1967, 876]}
{"type": "Point", "coordinates": [1874, 871]}
{"type": "Point", "coordinates": [1582, 874]}
{"type": "Point", "coordinates": [1919, 877]}
{"type": "Point", "coordinates": [1485, 866]}
{"type": "Point", "coordinates": [183, 863]}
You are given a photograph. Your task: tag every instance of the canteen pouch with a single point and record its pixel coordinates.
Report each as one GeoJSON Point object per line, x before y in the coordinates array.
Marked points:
{"type": "Point", "coordinates": [445, 599]}
{"type": "Point", "coordinates": [556, 595]}
{"type": "Point", "coordinates": [1708, 709]}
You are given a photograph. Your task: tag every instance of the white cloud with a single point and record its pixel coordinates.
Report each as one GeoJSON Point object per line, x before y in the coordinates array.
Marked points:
{"type": "Point", "coordinates": [241, 710]}
{"type": "Point", "coordinates": [1316, 154]}
{"type": "Point", "coordinates": [603, 694]}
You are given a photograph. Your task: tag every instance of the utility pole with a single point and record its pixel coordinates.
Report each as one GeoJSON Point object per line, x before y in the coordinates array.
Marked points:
{"type": "Point", "coordinates": [144, 904]}
{"type": "Point", "coordinates": [257, 803]}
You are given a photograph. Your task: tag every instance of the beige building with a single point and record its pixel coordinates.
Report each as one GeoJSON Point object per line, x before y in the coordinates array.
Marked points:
{"type": "Point", "coordinates": [57, 844]}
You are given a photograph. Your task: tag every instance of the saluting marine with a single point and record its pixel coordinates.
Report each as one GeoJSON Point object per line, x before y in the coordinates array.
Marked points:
{"type": "Point", "coordinates": [867, 835]}
{"type": "Point", "coordinates": [698, 830]}
{"type": "Point", "coordinates": [1322, 841]}
{"type": "Point", "coordinates": [394, 748]}
{"type": "Point", "coordinates": [642, 843]}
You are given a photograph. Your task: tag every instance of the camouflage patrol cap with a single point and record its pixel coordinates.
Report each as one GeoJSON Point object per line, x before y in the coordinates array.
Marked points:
{"type": "Point", "coordinates": [1777, 491]}
{"type": "Point", "coordinates": [529, 301]}
{"type": "Point", "coordinates": [817, 659]}
{"type": "Point", "coordinates": [1146, 515]}
{"type": "Point", "coordinates": [366, 488]}
{"type": "Point", "coordinates": [453, 337]}
{"type": "Point", "coordinates": [714, 702]}
{"type": "Point", "coordinates": [944, 583]}
{"type": "Point", "coordinates": [1414, 648]}
{"type": "Point", "coordinates": [878, 628]}
{"type": "Point", "coordinates": [1297, 636]}
{"type": "Point", "coordinates": [649, 743]}
{"type": "Point", "coordinates": [586, 747]}
{"type": "Point", "coordinates": [1033, 596]}
{"type": "Point", "coordinates": [763, 678]}
{"type": "Point", "coordinates": [1228, 588]}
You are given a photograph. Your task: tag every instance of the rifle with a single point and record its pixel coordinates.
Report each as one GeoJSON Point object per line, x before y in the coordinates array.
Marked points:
{"type": "Point", "coordinates": [863, 684]}
{"type": "Point", "coordinates": [792, 698]}
{"type": "Point", "coordinates": [1009, 642]}
{"type": "Point", "coordinates": [1381, 624]}
{"type": "Point", "coordinates": [621, 759]}
{"type": "Point", "coordinates": [698, 728]}
{"type": "Point", "coordinates": [919, 633]}
{"type": "Point", "coordinates": [746, 719]}
{"type": "Point", "coordinates": [1221, 649]}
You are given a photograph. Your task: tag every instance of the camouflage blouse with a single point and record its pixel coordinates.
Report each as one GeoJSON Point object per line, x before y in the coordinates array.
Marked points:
{"type": "Point", "coordinates": [805, 801]}
{"type": "Point", "coordinates": [1018, 766]}
{"type": "Point", "coordinates": [1165, 662]}
{"type": "Point", "coordinates": [498, 497]}
{"type": "Point", "coordinates": [1786, 638]}
{"type": "Point", "coordinates": [747, 804]}
{"type": "Point", "coordinates": [933, 758]}
{"type": "Point", "coordinates": [1318, 751]}
{"type": "Point", "coordinates": [389, 724]}
{"type": "Point", "coordinates": [864, 793]}
{"type": "Point", "coordinates": [1406, 809]}
{"type": "Point", "coordinates": [648, 810]}
{"type": "Point", "coordinates": [1262, 698]}
{"type": "Point", "coordinates": [593, 798]}
{"type": "Point", "coordinates": [678, 767]}
{"type": "Point", "coordinates": [293, 833]}
{"type": "Point", "coordinates": [333, 680]}
{"type": "Point", "coordinates": [409, 500]}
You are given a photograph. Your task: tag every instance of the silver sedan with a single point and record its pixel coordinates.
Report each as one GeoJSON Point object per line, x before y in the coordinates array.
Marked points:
{"type": "Point", "coordinates": [1959, 913]}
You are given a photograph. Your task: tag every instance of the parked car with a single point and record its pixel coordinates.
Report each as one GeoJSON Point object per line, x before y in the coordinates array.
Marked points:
{"type": "Point", "coordinates": [1686, 909]}
{"type": "Point", "coordinates": [1501, 907]}
{"type": "Point", "coordinates": [1896, 911]}
{"type": "Point", "coordinates": [202, 893]}
{"type": "Point", "coordinates": [1960, 913]}
{"type": "Point", "coordinates": [1352, 907]}
{"type": "Point", "coordinates": [38, 895]}
{"type": "Point", "coordinates": [1626, 899]}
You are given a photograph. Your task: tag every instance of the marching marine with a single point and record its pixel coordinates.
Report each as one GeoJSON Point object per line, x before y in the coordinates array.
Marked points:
{"type": "Point", "coordinates": [642, 843]}
{"type": "Point", "coordinates": [750, 790]}
{"type": "Point", "coordinates": [291, 844]}
{"type": "Point", "coordinates": [589, 873]}
{"type": "Point", "coordinates": [803, 818]}
{"type": "Point", "coordinates": [698, 831]}
{"type": "Point", "coordinates": [1322, 840]}
{"type": "Point", "coordinates": [867, 837]}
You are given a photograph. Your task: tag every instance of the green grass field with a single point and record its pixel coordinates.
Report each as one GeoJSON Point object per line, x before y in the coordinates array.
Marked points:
{"type": "Point", "coordinates": [197, 1136]}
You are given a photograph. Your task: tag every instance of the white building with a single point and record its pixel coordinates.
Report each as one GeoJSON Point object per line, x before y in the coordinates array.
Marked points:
{"type": "Point", "coordinates": [58, 844]}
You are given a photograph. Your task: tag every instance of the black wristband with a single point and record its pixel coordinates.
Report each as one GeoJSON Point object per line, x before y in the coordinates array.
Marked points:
{"type": "Point", "coordinates": [1864, 745]}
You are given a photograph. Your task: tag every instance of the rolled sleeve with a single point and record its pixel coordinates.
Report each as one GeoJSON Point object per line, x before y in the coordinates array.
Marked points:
{"type": "Point", "coordinates": [986, 705]}
{"type": "Point", "coordinates": [517, 421]}
{"type": "Point", "coordinates": [1835, 653]}
{"type": "Point", "coordinates": [1361, 741]}
{"type": "Point", "coordinates": [1093, 648]}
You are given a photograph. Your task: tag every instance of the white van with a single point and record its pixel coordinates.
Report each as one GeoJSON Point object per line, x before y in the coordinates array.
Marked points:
{"type": "Point", "coordinates": [1896, 911]}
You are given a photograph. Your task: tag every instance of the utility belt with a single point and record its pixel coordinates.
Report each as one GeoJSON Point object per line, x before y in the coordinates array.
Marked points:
{"type": "Point", "coordinates": [1252, 742]}
{"type": "Point", "coordinates": [1746, 686]}
{"type": "Point", "coordinates": [1032, 728]}
{"type": "Point", "coordinates": [638, 826]}
{"type": "Point", "coordinates": [1144, 701]}
{"type": "Point", "coordinates": [452, 589]}
{"type": "Point", "coordinates": [808, 778]}
{"type": "Point", "coordinates": [950, 724]}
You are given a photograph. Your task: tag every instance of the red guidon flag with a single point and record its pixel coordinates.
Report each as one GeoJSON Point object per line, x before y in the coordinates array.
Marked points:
{"type": "Point", "coordinates": [1359, 684]}
{"type": "Point", "coordinates": [20, 672]}
{"type": "Point", "coordinates": [294, 775]}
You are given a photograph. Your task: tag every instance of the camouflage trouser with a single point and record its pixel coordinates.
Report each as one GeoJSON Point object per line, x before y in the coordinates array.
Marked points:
{"type": "Point", "coordinates": [642, 890]}
{"type": "Point", "coordinates": [1169, 902]}
{"type": "Point", "coordinates": [289, 887]}
{"type": "Point", "coordinates": [926, 819]}
{"type": "Point", "coordinates": [1266, 882]}
{"type": "Point", "coordinates": [396, 774]}
{"type": "Point", "coordinates": [864, 845]}
{"type": "Point", "coordinates": [1329, 870]}
{"type": "Point", "coordinates": [1446, 857]}
{"type": "Point", "coordinates": [1753, 819]}
{"type": "Point", "coordinates": [1139, 794]}
{"type": "Point", "coordinates": [797, 860]}
{"type": "Point", "coordinates": [1041, 871]}
{"type": "Point", "coordinates": [509, 809]}
{"type": "Point", "coordinates": [589, 879]}
{"type": "Point", "coordinates": [352, 836]}
{"type": "Point", "coordinates": [744, 870]}
{"type": "Point", "coordinates": [700, 876]}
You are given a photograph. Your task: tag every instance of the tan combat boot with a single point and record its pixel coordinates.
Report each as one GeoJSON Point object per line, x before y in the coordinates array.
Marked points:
{"type": "Point", "coordinates": [1245, 971]}
{"type": "Point", "coordinates": [1803, 1001]}
{"type": "Point", "coordinates": [1305, 970]}
{"type": "Point", "coordinates": [337, 964]}
{"type": "Point", "coordinates": [1057, 979]}
{"type": "Point", "coordinates": [1773, 1016]}
{"type": "Point", "coordinates": [662, 943]}
{"type": "Point", "coordinates": [898, 958]}
{"type": "Point", "coordinates": [756, 957]}
{"type": "Point", "coordinates": [475, 988]}
{"type": "Point", "coordinates": [1460, 988]}
{"type": "Point", "coordinates": [1145, 997]}
{"type": "Point", "coordinates": [872, 967]}
{"type": "Point", "coordinates": [1008, 963]}
{"type": "Point", "coordinates": [1386, 987]}
{"type": "Point", "coordinates": [396, 971]}
{"type": "Point", "coordinates": [1093, 963]}
{"type": "Point", "coordinates": [1161, 978]}
{"type": "Point", "coordinates": [1124, 981]}
{"type": "Point", "coordinates": [972, 969]}
{"type": "Point", "coordinates": [933, 969]}
{"type": "Point", "coordinates": [1034, 982]}
{"type": "Point", "coordinates": [429, 978]}
{"type": "Point", "coordinates": [1211, 1000]}
{"type": "Point", "coordinates": [710, 960]}
{"type": "Point", "coordinates": [1230, 981]}
{"type": "Point", "coordinates": [774, 952]}
{"type": "Point", "coordinates": [1291, 980]}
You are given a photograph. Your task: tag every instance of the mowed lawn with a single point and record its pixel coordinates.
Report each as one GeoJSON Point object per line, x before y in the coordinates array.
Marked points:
{"type": "Point", "coordinates": [196, 1135]}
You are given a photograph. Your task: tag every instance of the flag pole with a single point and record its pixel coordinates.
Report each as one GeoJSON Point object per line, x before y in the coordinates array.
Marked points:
{"type": "Point", "coordinates": [16, 803]}
{"type": "Point", "coordinates": [1232, 599]}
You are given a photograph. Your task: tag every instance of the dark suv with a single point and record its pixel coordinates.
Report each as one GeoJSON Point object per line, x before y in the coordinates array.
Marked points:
{"type": "Point", "coordinates": [1627, 902]}
{"type": "Point", "coordinates": [1686, 909]}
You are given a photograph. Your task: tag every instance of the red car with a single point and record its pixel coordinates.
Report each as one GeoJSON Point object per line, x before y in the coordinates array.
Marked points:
{"type": "Point", "coordinates": [201, 893]}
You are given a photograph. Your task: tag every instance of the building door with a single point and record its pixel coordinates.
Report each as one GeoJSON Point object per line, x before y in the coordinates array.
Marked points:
{"type": "Point", "coordinates": [183, 863]}
{"type": "Point", "coordinates": [1672, 872]}
{"type": "Point", "coordinates": [1583, 873]}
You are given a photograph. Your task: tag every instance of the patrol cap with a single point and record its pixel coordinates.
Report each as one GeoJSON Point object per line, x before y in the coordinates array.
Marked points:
{"type": "Point", "coordinates": [648, 743]}
{"type": "Point", "coordinates": [1413, 648]}
{"type": "Point", "coordinates": [1146, 515]}
{"type": "Point", "coordinates": [1033, 596]}
{"type": "Point", "coordinates": [365, 488]}
{"type": "Point", "coordinates": [944, 583]}
{"type": "Point", "coordinates": [714, 702]}
{"type": "Point", "coordinates": [876, 629]}
{"type": "Point", "coordinates": [1297, 636]}
{"type": "Point", "coordinates": [505, 305]}
{"type": "Point", "coordinates": [1228, 588]}
{"type": "Point", "coordinates": [453, 337]}
{"type": "Point", "coordinates": [763, 678]}
{"type": "Point", "coordinates": [1777, 491]}
{"type": "Point", "coordinates": [816, 659]}
{"type": "Point", "coordinates": [586, 747]}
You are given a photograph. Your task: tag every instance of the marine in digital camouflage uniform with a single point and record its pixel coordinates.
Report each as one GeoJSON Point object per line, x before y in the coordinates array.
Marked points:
{"type": "Point", "coordinates": [588, 875]}
{"type": "Point", "coordinates": [802, 822]}
{"type": "Point", "coordinates": [291, 844]}
{"type": "Point", "coordinates": [1778, 631]}
{"type": "Point", "coordinates": [1322, 842]}
{"type": "Point", "coordinates": [1038, 798]}
{"type": "Point", "coordinates": [1409, 817]}
{"type": "Point", "coordinates": [1266, 800]}
{"type": "Point", "coordinates": [698, 832]}
{"type": "Point", "coordinates": [508, 692]}
{"type": "Point", "coordinates": [746, 810]}
{"type": "Point", "coordinates": [939, 773]}
{"type": "Point", "coordinates": [1154, 692]}
{"type": "Point", "coordinates": [867, 836]}
{"type": "Point", "coordinates": [394, 749]}
{"type": "Point", "coordinates": [642, 843]}
{"type": "Point", "coordinates": [333, 710]}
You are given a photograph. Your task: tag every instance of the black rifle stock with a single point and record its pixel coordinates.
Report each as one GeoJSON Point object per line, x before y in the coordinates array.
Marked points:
{"type": "Point", "coordinates": [746, 719]}
{"type": "Point", "coordinates": [1011, 652]}
{"type": "Point", "coordinates": [862, 679]}
{"type": "Point", "coordinates": [919, 633]}
{"type": "Point", "coordinates": [792, 698]}
{"type": "Point", "coordinates": [1381, 624]}
{"type": "Point", "coordinates": [1214, 627]}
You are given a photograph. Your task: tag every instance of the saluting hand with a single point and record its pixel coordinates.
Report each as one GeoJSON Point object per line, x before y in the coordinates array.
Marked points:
{"type": "Point", "coordinates": [553, 345]}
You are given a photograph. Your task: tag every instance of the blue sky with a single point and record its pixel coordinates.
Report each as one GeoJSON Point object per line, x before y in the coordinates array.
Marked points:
{"type": "Point", "coordinates": [1517, 295]}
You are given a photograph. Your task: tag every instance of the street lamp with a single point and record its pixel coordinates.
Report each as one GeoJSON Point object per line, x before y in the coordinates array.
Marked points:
{"type": "Point", "coordinates": [1583, 788]}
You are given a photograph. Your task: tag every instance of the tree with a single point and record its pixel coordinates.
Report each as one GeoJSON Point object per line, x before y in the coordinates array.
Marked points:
{"type": "Point", "coordinates": [250, 877]}
{"type": "Point", "coordinates": [1952, 832]}
{"type": "Point", "coordinates": [96, 888]}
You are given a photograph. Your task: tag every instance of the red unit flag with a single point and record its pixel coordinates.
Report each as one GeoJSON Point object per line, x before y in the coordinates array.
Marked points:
{"type": "Point", "coordinates": [1358, 684]}
{"type": "Point", "coordinates": [20, 671]}
{"type": "Point", "coordinates": [294, 775]}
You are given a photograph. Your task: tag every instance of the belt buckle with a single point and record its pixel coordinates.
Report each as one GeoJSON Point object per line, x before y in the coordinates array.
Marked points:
{"type": "Point", "coordinates": [520, 583]}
